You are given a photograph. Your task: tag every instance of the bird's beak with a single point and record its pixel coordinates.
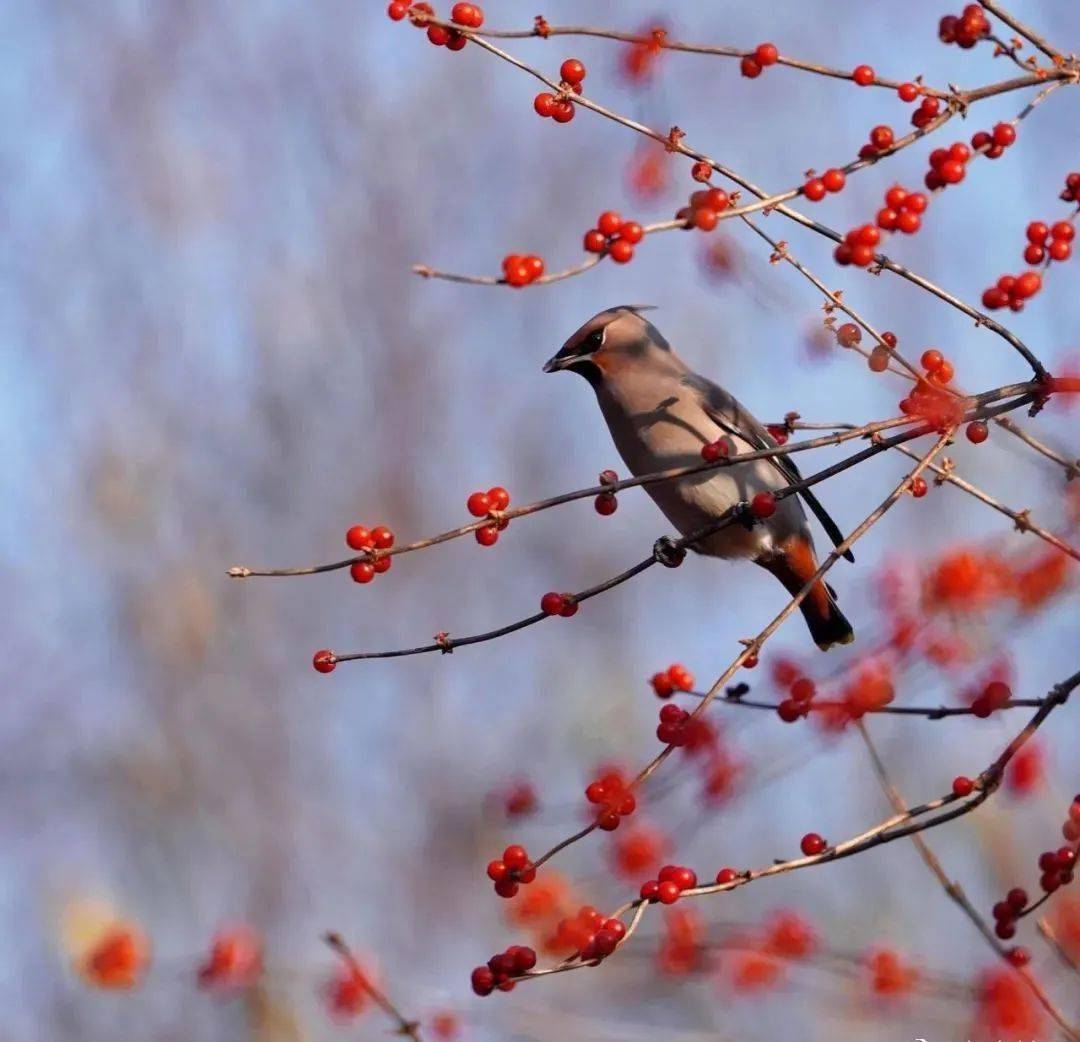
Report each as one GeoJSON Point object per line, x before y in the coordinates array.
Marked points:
{"type": "Point", "coordinates": [555, 363]}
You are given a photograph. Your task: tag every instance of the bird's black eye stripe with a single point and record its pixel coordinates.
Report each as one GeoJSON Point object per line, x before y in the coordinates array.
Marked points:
{"type": "Point", "coordinates": [595, 339]}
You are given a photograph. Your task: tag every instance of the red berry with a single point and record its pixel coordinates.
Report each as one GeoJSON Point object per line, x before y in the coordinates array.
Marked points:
{"type": "Point", "coordinates": [606, 504]}
{"type": "Point", "coordinates": [572, 71]}
{"type": "Point", "coordinates": [1005, 929]}
{"type": "Point", "coordinates": [952, 172]}
{"type": "Point", "coordinates": [766, 54]}
{"type": "Point", "coordinates": [595, 241]}
{"type": "Point", "coordinates": [398, 9]}
{"type": "Point", "coordinates": [977, 432]}
{"type": "Point", "coordinates": [570, 606]}
{"type": "Point", "coordinates": [1037, 233]}
{"type": "Point", "coordinates": [609, 222]}
{"type": "Point", "coordinates": [478, 504]}
{"type": "Point", "coordinates": [812, 844]}
{"type": "Point", "coordinates": [362, 572]}
{"type": "Point", "coordinates": [438, 35]}
{"type": "Point", "coordinates": [918, 487]}
{"type": "Point", "coordinates": [814, 190]}
{"type": "Point", "coordinates": [668, 892]}
{"type": "Point", "coordinates": [324, 661]}
{"type": "Point", "coordinates": [716, 199]}
{"type": "Point", "coordinates": [382, 564]}
{"type": "Point", "coordinates": [915, 202]}
{"type": "Point", "coordinates": [1004, 134]}
{"type": "Point", "coordinates": [705, 218]}
{"type": "Point", "coordinates": [515, 857]}
{"type": "Point", "coordinates": [620, 251]}
{"type": "Point", "coordinates": [562, 111]}
{"type": "Point", "coordinates": [1063, 231]}
{"type": "Point", "coordinates": [931, 359]}
{"type": "Point", "coordinates": [833, 179]}
{"type": "Point", "coordinates": [631, 232]}
{"type": "Point", "coordinates": [1059, 250]}
{"type": "Point", "coordinates": [544, 104]}
{"type": "Point", "coordinates": [863, 75]}
{"type": "Point", "coordinates": [498, 498]}
{"type": "Point", "coordinates": [382, 537]}
{"type": "Point", "coordinates": [701, 171]}
{"type": "Point", "coordinates": [1027, 285]}
{"type": "Point", "coordinates": [1018, 956]}
{"type": "Point", "coordinates": [895, 197]}
{"type": "Point", "coordinates": [907, 92]}
{"type": "Point", "coordinates": [789, 710]}
{"type": "Point", "coordinates": [803, 690]}
{"type": "Point", "coordinates": [726, 875]}
{"type": "Point", "coordinates": [551, 603]}
{"type": "Point", "coordinates": [486, 536]}
{"type": "Point", "coordinates": [749, 67]}
{"type": "Point", "coordinates": [881, 137]}
{"type": "Point", "coordinates": [483, 981]}
{"type": "Point", "coordinates": [763, 505]}
{"type": "Point", "coordinates": [908, 222]}
{"type": "Point", "coordinates": [663, 685]}
{"type": "Point", "coordinates": [962, 786]}
{"type": "Point", "coordinates": [1016, 899]}
{"type": "Point", "coordinates": [1034, 254]}
{"type": "Point", "coordinates": [359, 538]}
{"type": "Point", "coordinates": [681, 677]}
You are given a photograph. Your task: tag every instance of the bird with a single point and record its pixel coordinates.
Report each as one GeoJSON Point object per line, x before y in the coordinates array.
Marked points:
{"type": "Point", "coordinates": [661, 414]}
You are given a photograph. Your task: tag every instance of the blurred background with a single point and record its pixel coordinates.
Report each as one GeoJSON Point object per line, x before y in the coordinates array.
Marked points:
{"type": "Point", "coordinates": [214, 353]}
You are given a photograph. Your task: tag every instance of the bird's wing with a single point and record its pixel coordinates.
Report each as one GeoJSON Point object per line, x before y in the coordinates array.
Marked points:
{"type": "Point", "coordinates": [726, 411]}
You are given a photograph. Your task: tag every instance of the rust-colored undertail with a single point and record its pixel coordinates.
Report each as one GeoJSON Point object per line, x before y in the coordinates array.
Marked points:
{"type": "Point", "coordinates": [794, 564]}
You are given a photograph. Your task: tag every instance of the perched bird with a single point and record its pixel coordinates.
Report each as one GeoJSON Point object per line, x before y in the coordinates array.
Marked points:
{"type": "Point", "coordinates": [660, 414]}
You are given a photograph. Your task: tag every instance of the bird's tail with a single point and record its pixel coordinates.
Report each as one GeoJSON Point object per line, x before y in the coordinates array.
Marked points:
{"type": "Point", "coordinates": [794, 565]}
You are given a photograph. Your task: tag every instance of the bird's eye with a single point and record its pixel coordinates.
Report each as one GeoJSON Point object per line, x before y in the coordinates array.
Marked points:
{"type": "Point", "coordinates": [595, 339]}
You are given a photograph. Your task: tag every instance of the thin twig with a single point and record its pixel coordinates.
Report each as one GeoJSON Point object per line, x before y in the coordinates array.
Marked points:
{"type": "Point", "coordinates": [404, 1027]}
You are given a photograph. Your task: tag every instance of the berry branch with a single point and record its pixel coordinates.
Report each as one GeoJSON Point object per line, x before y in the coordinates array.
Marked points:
{"type": "Point", "coordinates": [1015, 957]}
{"type": "Point", "coordinates": [907, 821]}
{"type": "Point", "coordinates": [674, 142]}
{"type": "Point", "coordinates": [403, 1026]}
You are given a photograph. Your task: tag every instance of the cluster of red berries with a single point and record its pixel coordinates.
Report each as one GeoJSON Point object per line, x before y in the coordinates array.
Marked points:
{"type": "Point", "coordinates": [558, 106]}
{"type": "Point", "coordinates": [929, 400]}
{"type": "Point", "coordinates": [589, 934]}
{"type": "Point", "coordinates": [1059, 247]}
{"type": "Point", "coordinates": [801, 694]}
{"type": "Point", "coordinates": [880, 355]}
{"type": "Point", "coordinates": [858, 246]}
{"type": "Point", "coordinates": [611, 793]}
{"type": "Point", "coordinates": [948, 166]}
{"type": "Point", "coordinates": [468, 15]}
{"type": "Point", "coordinates": [992, 143]}
{"type": "Point", "coordinates": [761, 57]}
{"type": "Point", "coordinates": [564, 604]}
{"type": "Point", "coordinates": [1071, 192]}
{"type": "Point", "coordinates": [671, 881]}
{"type": "Point", "coordinates": [521, 269]}
{"type": "Point", "coordinates": [512, 869]}
{"type": "Point", "coordinates": [965, 29]}
{"type": "Point", "coordinates": [902, 211]}
{"type": "Point", "coordinates": [994, 696]}
{"type": "Point", "coordinates": [937, 366]}
{"type": "Point", "coordinates": [704, 209]}
{"type": "Point", "coordinates": [485, 504]}
{"type": "Point", "coordinates": [712, 451]}
{"type": "Point", "coordinates": [614, 236]}
{"type": "Point", "coordinates": [672, 728]}
{"type": "Point", "coordinates": [1006, 912]}
{"type": "Point", "coordinates": [1058, 868]}
{"type": "Point", "coordinates": [928, 109]}
{"type": "Point", "coordinates": [1012, 291]}
{"type": "Point", "coordinates": [363, 540]}
{"type": "Point", "coordinates": [605, 503]}
{"type": "Point", "coordinates": [832, 180]}
{"type": "Point", "coordinates": [501, 970]}
{"type": "Point", "coordinates": [676, 678]}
